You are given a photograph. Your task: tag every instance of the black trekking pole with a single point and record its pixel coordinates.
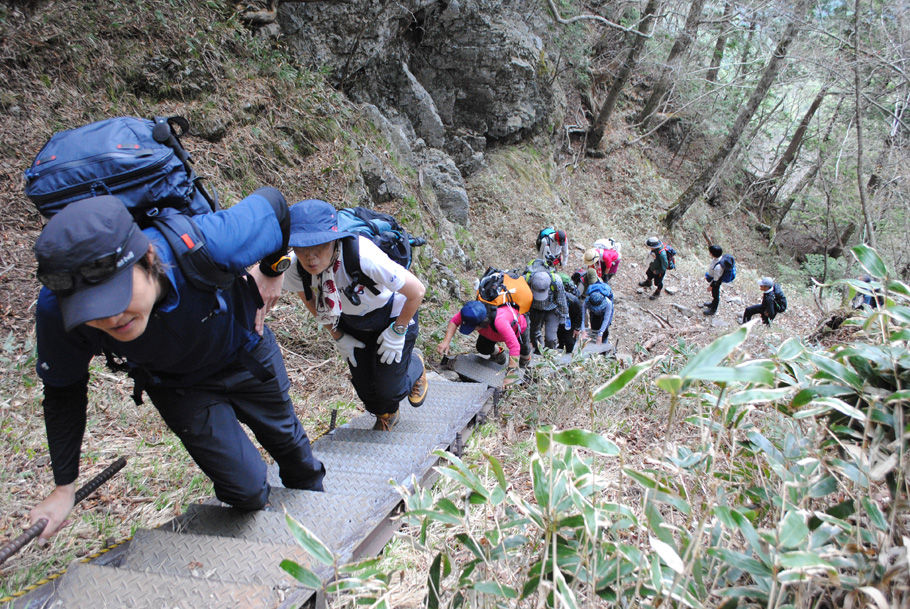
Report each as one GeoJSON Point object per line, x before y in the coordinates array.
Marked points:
{"type": "Point", "coordinates": [33, 531]}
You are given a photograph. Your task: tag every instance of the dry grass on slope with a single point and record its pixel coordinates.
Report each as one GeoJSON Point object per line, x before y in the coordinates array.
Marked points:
{"type": "Point", "coordinates": [262, 120]}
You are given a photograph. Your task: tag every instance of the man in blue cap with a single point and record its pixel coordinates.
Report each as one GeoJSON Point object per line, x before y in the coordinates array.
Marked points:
{"type": "Point", "coordinates": [366, 301]}
{"type": "Point", "coordinates": [112, 288]}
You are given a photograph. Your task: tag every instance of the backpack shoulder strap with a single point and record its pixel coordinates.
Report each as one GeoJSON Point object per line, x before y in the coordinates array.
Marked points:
{"type": "Point", "coordinates": [191, 253]}
{"type": "Point", "coordinates": [350, 252]}
{"type": "Point", "coordinates": [305, 279]}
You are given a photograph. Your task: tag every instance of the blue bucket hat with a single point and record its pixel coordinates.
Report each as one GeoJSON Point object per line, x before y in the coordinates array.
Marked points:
{"type": "Point", "coordinates": [473, 314]}
{"type": "Point", "coordinates": [314, 222]}
{"type": "Point", "coordinates": [85, 257]}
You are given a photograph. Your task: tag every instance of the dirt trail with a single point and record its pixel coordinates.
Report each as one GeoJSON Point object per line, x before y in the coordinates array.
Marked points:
{"type": "Point", "coordinates": [657, 324]}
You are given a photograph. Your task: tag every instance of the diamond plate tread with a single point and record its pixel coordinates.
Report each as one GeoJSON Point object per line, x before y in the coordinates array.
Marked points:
{"type": "Point", "coordinates": [370, 452]}
{"type": "Point", "coordinates": [352, 434]}
{"type": "Point", "coordinates": [87, 586]}
{"type": "Point", "coordinates": [406, 425]}
{"type": "Point", "coordinates": [214, 558]}
{"type": "Point", "coordinates": [345, 483]}
{"type": "Point", "coordinates": [339, 468]}
{"type": "Point", "coordinates": [337, 519]}
{"type": "Point", "coordinates": [479, 369]}
{"type": "Point", "coordinates": [342, 480]}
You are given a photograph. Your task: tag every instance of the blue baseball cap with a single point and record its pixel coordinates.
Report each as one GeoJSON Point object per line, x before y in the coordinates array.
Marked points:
{"type": "Point", "coordinates": [473, 314]}
{"type": "Point", "coordinates": [85, 256]}
{"type": "Point", "coordinates": [314, 222]}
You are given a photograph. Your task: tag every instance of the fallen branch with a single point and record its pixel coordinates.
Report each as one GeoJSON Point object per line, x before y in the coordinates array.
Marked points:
{"type": "Point", "coordinates": [663, 320]}
{"type": "Point", "coordinates": [653, 341]}
{"type": "Point", "coordinates": [596, 18]}
{"type": "Point", "coordinates": [662, 336]}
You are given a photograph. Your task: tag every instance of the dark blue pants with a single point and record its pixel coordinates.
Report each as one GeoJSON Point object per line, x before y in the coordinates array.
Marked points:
{"type": "Point", "coordinates": [381, 386]}
{"type": "Point", "coordinates": [207, 418]}
{"type": "Point", "coordinates": [715, 296]}
{"type": "Point", "coordinates": [758, 309]}
{"type": "Point", "coordinates": [658, 279]}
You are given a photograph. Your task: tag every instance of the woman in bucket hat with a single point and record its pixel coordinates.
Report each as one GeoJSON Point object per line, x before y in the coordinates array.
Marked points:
{"type": "Point", "coordinates": [112, 288]}
{"type": "Point", "coordinates": [373, 318]}
{"type": "Point", "coordinates": [502, 324]}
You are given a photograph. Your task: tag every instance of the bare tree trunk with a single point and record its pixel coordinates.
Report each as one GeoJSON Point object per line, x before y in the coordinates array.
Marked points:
{"type": "Point", "coordinates": [809, 176]}
{"type": "Point", "coordinates": [797, 139]}
{"type": "Point", "coordinates": [870, 233]}
{"type": "Point", "coordinates": [767, 187]}
{"type": "Point", "coordinates": [698, 186]}
{"type": "Point", "coordinates": [603, 117]}
{"type": "Point", "coordinates": [721, 43]}
{"type": "Point", "coordinates": [679, 47]}
{"type": "Point", "coordinates": [747, 46]}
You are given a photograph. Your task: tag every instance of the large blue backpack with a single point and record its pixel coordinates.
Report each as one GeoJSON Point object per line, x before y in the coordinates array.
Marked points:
{"type": "Point", "coordinates": [144, 165]}
{"type": "Point", "coordinates": [729, 265]}
{"type": "Point", "coordinates": [141, 162]}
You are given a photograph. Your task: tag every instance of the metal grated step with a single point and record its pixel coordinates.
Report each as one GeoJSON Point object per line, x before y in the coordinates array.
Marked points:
{"type": "Point", "coordinates": [87, 586]}
{"type": "Point", "coordinates": [336, 519]}
{"type": "Point", "coordinates": [353, 434]}
{"type": "Point", "coordinates": [473, 367]}
{"type": "Point", "coordinates": [213, 558]}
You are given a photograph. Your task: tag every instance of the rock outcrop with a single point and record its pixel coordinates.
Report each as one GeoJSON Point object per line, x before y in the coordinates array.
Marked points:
{"type": "Point", "coordinates": [445, 77]}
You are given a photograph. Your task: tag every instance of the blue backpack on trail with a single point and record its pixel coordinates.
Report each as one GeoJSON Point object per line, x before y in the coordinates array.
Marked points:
{"type": "Point", "coordinates": [671, 256]}
{"type": "Point", "coordinates": [729, 264]}
{"type": "Point", "coordinates": [550, 233]}
{"type": "Point", "coordinates": [600, 288]}
{"type": "Point", "coordinates": [142, 163]}
{"type": "Point", "coordinates": [596, 297]}
{"type": "Point", "coordinates": [383, 230]}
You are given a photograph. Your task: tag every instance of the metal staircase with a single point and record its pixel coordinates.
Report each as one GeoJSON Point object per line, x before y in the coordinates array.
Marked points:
{"type": "Point", "coordinates": [217, 557]}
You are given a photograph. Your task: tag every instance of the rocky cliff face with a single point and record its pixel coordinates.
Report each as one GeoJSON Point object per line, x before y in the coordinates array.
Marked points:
{"type": "Point", "coordinates": [448, 77]}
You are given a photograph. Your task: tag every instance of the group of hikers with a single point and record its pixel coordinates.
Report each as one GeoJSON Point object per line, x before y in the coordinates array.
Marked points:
{"type": "Point", "coordinates": [112, 287]}
{"type": "Point", "coordinates": [177, 297]}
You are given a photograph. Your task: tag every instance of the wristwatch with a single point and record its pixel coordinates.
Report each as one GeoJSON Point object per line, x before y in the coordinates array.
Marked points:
{"type": "Point", "coordinates": [275, 268]}
{"type": "Point", "coordinates": [281, 265]}
{"type": "Point", "coordinates": [399, 329]}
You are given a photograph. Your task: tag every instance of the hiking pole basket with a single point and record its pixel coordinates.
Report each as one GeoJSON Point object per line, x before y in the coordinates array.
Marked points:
{"type": "Point", "coordinates": [33, 531]}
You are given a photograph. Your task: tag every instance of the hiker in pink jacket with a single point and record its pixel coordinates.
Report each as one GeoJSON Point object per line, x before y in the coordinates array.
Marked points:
{"type": "Point", "coordinates": [503, 324]}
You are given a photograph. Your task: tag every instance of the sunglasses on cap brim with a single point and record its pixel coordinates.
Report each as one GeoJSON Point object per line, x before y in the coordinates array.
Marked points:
{"type": "Point", "coordinates": [97, 271]}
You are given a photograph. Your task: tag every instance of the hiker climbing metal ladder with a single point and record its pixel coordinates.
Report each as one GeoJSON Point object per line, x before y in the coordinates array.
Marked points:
{"type": "Point", "coordinates": [218, 557]}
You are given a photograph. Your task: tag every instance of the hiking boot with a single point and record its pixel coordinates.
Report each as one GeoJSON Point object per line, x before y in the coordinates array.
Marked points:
{"type": "Point", "coordinates": [706, 304]}
{"type": "Point", "coordinates": [385, 422]}
{"type": "Point", "coordinates": [644, 284]}
{"type": "Point", "coordinates": [709, 311]}
{"type": "Point", "coordinates": [524, 360]}
{"type": "Point", "coordinates": [419, 390]}
{"type": "Point", "coordinates": [655, 295]}
{"type": "Point", "coordinates": [499, 357]}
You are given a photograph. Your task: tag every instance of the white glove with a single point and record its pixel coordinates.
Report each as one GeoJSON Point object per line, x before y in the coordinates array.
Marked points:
{"type": "Point", "coordinates": [347, 344]}
{"type": "Point", "coordinates": [391, 344]}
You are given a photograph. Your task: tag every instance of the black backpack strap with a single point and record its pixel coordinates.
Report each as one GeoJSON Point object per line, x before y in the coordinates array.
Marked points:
{"type": "Point", "coordinates": [306, 279]}
{"type": "Point", "coordinates": [193, 257]}
{"type": "Point", "coordinates": [350, 252]}
{"type": "Point", "coordinates": [168, 131]}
